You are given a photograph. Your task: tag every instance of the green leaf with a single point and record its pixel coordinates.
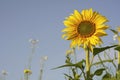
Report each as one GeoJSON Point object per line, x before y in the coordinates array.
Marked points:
{"type": "Point", "coordinates": [79, 65]}
{"type": "Point", "coordinates": [68, 60]}
{"type": "Point", "coordinates": [73, 71]}
{"type": "Point", "coordinates": [99, 72]}
{"type": "Point", "coordinates": [106, 76]}
{"type": "Point", "coordinates": [114, 31]}
{"type": "Point", "coordinates": [66, 65]}
{"type": "Point", "coordinates": [70, 77]}
{"type": "Point", "coordinates": [77, 77]}
{"type": "Point", "coordinates": [98, 50]}
{"type": "Point", "coordinates": [118, 74]}
{"type": "Point", "coordinates": [91, 75]}
{"type": "Point", "coordinates": [103, 61]}
{"type": "Point", "coordinates": [117, 48]}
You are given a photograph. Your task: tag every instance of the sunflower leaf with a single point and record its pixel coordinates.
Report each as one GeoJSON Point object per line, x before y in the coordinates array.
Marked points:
{"type": "Point", "coordinates": [103, 61]}
{"type": "Point", "coordinates": [99, 72]}
{"type": "Point", "coordinates": [106, 76]}
{"type": "Point", "coordinates": [98, 50]}
{"type": "Point", "coordinates": [114, 31]}
{"type": "Point", "coordinates": [79, 65]}
{"type": "Point", "coordinates": [70, 77]}
{"type": "Point", "coordinates": [117, 48]}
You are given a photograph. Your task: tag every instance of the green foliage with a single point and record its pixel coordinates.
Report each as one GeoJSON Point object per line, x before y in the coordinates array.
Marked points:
{"type": "Point", "coordinates": [98, 50]}
{"type": "Point", "coordinates": [103, 61]}
{"type": "Point", "coordinates": [109, 76]}
{"type": "Point", "coordinates": [117, 48]}
{"type": "Point", "coordinates": [114, 31]}
{"type": "Point", "coordinates": [78, 65]}
{"type": "Point", "coordinates": [99, 72]}
{"type": "Point", "coordinates": [118, 75]}
{"type": "Point", "coordinates": [106, 76]}
{"type": "Point", "coordinates": [74, 75]}
{"type": "Point", "coordinates": [87, 75]}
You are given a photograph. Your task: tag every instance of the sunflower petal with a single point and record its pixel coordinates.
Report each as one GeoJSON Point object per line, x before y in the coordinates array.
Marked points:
{"type": "Point", "coordinates": [101, 19]}
{"type": "Point", "coordinates": [77, 15]}
{"type": "Point", "coordinates": [102, 27]}
{"type": "Point", "coordinates": [68, 23]}
{"type": "Point", "coordinates": [87, 14]}
{"type": "Point", "coordinates": [64, 35]}
{"type": "Point", "coordinates": [83, 14]}
{"type": "Point", "coordinates": [73, 19]}
{"type": "Point", "coordinates": [100, 33]}
{"type": "Point", "coordinates": [72, 36]}
{"type": "Point", "coordinates": [68, 29]}
{"type": "Point", "coordinates": [73, 44]}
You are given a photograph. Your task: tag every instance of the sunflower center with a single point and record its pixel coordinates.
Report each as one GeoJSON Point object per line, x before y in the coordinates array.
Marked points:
{"type": "Point", "coordinates": [86, 29]}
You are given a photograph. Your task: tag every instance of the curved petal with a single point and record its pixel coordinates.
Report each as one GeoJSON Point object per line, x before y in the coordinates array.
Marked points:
{"type": "Point", "coordinates": [77, 15]}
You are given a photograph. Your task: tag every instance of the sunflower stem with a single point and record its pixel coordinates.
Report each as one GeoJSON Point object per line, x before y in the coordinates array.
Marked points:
{"type": "Point", "coordinates": [26, 77]}
{"type": "Point", "coordinates": [87, 62]}
{"type": "Point", "coordinates": [118, 60]}
{"type": "Point", "coordinates": [118, 71]}
{"type": "Point", "coordinates": [119, 54]}
{"type": "Point", "coordinates": [75, 57]}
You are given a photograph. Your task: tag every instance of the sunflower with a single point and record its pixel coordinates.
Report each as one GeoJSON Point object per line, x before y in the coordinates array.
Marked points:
{"type": "Point", "coordinates": [85, 29]}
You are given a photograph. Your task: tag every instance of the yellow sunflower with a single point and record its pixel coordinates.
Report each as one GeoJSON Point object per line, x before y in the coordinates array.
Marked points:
{"type": "Point", "coordinates": [85, 29]}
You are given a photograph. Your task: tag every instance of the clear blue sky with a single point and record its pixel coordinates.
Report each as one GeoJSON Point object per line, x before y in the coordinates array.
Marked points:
{"type": "Point", "coordinates": [21, 20]}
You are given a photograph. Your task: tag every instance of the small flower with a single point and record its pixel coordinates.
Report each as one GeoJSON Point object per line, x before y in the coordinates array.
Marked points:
{"type": "Point", "coordinates": [45, 58]}
{"type": "Point", "coordinates": [27, 71]}
{"type": "Point", "coordinates": [115, 37]}
{"type": "Point", "coordinates": [33, 41]}
{"type": "Point", "coordinates": [118, 28]}
{"type": "Point", "coordinates": [69, 52]}
{"type": "Point", "coordinates": [4, 72]}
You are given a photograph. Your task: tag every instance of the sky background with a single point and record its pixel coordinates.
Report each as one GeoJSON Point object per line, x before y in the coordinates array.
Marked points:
{"type": "Point", "coordinates": [21, 20]}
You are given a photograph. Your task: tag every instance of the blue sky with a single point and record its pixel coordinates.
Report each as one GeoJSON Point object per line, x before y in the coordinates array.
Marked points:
{"type": "Point", "coordinates": [21, 20]}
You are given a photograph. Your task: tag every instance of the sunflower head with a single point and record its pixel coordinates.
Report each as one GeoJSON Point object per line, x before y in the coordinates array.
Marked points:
{"type": "Point", "coordinates": [85, 29]}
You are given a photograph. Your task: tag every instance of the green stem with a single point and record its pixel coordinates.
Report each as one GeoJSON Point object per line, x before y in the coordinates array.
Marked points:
{"type": "Point", "coordinates": [41, 73]}
{"type": "Point", "coordinates": [26, 76]}
{"type": "Point", "coordinates": [119, 54]}
{"type": "Point", "coordinates": [118, 71]}
{"type": "Point", "coordinates": [112, 61]}
{"type": "Point", "coordinates": [75, 57]}
{"type": "Point", "coordinates": [118, 60]}
{"type": "Point", "coordinates": [30, 57]}
{"type": "Point", "coordinates": [102, 63]}
{"type": "Point", "coordinates": [87, 62]}
{"type": "Point", "coordinates": [83, 74]}
{"type": "Point", "coordinates": [91, 60]}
